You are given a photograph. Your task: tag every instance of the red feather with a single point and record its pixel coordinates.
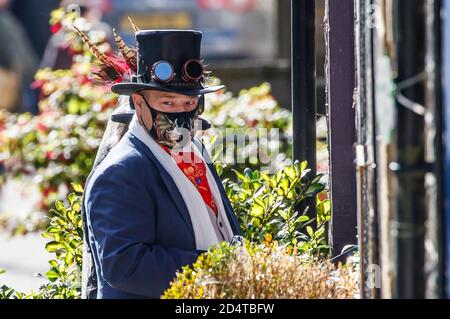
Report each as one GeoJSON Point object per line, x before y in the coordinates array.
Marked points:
{"type": "Point", "coordinates": [107, 75]}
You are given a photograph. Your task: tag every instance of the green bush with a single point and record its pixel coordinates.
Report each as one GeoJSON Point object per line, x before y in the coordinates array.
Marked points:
{"type": "Point", "coordinates": [59, 145]}
{"type": "Point", "coordinates": [267, 207]}
{"type": "Point", "coordinates": [55, 148]}
{"type": "Point", "coordinates": [66, 235]}
{"type": "Point", "coordinates": [66, 232]}
{"type": "Point", "coordinates": [254, 114]}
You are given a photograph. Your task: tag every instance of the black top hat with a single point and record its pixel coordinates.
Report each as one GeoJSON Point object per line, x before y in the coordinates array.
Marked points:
{"type": "Point", "coordinates": [168, 60]}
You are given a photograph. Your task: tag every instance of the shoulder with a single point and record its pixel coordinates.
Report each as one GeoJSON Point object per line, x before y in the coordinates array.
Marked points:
{"type": "Point", "coordinates": [126, 155]}
{"type": "Point", "coordinates": [125, 164]}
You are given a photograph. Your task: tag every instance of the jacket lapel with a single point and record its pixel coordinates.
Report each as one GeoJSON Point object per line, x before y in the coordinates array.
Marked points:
{"type": "Point", "coordinates": [166, 178]}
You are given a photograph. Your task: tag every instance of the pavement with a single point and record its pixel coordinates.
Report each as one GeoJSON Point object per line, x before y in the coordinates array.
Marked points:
{"type": "Point", "coordinates": [22, 257]}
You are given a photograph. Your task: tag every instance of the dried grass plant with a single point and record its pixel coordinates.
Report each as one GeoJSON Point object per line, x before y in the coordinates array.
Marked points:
{"type": "Point", "coordinates": [258, 272]}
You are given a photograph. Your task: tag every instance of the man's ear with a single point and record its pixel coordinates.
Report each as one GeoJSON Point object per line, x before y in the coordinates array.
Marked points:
{"type": "Point", "coordinates": [137, 100]}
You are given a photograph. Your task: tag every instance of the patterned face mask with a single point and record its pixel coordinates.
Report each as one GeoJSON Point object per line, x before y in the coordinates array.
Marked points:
{"type": "Point", "coordinates": [173, 130]}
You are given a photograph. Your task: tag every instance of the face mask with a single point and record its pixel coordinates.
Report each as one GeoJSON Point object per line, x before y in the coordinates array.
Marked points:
{"type": "Point", "coordinates": [173, 130]}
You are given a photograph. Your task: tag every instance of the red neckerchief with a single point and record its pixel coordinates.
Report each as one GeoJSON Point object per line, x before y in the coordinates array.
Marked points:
{"type": "Point", "coordinates": [194, 169]}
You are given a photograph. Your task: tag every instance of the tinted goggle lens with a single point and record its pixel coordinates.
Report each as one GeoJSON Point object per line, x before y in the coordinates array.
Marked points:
{"type": "Point", "coordinates": [162, 71]}
{"type": "Point", "coordinates": [192, 70]}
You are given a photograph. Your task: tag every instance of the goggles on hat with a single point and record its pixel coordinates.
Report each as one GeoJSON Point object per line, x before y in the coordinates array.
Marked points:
{"type": "Point", "coordinates": [163, 71]}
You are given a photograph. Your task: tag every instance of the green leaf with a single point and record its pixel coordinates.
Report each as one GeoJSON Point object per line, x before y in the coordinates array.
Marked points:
{"type": "Point", "coordinates": [53, 230]}
{"type": "Point", "coordinates": [10, 292]}
{"type": "Point", "coordinates": [310, 231]}
{"type": "Point", "coordinates": [53, 246]}
{"type": "Point", "coordinates": [76, 207]}
{"type": "Point", "coordinates": [60, 206]}
{"type": "Point", "coordinates": [256, 185]}
{"type": "Point", "coordinates": [61, 222]}
{"type": "Point", "coordinates": [248, 172]}
{"type": "Point", "coordinates": [55, 212]}
{"type": "Point", "coordinates": [77, 187]}
{"type": "Point", "coordinates": [74, 243]}
{"type": "Point", "coordinates": [305, 246]}
{"type": "Point", "coordinates": [52, 275]}
{"type": "Point", "coordinates": [303, 166]}
{"type": "Point", "coordinates": [290, 195]}
{"type": "Point", "coordinates": [256, 222]}
{"type": "Point", "coordinates": [284, 214]}
{"type": "Point", "coordinates": [47, 235]}
{"type": "Point", "coordinates": [317, 178]}
{"type": "Point", "coordinates": [260, 202]}
{"type": "Point", "coordinates": [302, 219]}
{"type": "Point", "coordinates": [257, 211]}
{"type": "Point", "coordinates": [305, 173]}
{"type": "Point", "coordinates": [219, 169]}
{"type": "Point", "coordinates": [59, 237]}
{"type": "Point", "coordinates": [284, 184]}
{"type": "Point", "coordinates": [278, 176]}
{"type": "Point", "coordinates": [69, 259]}
{"type": "Point", "coordinates": [72, 197]}
{"type": "Point", "coordinates": [239, 175]}
{"type": "Point", "coordinates": [314, 189]}
{"type": "Point", "coordinates": [323, 247]}
{"type": "Point", "coordinates": [73, 107]}
{"type": "Point", "coordinates": [72, 215]}
{"type": "Point", "coordinates": [320, 232]}
{"type": "Point", "coordinates": [290, 172]}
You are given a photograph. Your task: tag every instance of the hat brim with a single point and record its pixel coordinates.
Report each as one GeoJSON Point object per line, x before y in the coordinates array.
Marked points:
{"type": "Point", "coordinates": [131, 88]}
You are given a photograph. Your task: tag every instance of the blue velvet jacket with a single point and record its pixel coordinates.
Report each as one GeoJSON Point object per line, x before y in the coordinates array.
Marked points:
{"type": "Point", "coordinates": [137, 225]}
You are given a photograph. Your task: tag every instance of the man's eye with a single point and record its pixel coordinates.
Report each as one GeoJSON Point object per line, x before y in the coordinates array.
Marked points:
{"type": "Point", "coordinates": [167, 103]}
{"type": "Point", "coordinates": [190, 103]}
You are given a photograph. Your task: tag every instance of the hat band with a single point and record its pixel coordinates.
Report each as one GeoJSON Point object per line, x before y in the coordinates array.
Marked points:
{"type": "Point", "coordinates": [145, 79]}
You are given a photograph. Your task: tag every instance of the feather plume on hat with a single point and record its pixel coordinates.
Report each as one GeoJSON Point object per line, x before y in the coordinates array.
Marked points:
{"type": "Point", "coordinates": [110, 68]}
{"type": "Point", "coordinates": [129, 54]}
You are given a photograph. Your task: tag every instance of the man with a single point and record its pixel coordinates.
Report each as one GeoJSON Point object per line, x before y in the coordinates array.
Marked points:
{"type": "Point", "coordinates": [154, 203]}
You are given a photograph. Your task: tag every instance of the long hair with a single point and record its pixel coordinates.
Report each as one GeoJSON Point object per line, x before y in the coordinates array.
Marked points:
{"type": "Point", "coordinates": [114, 130]}
{"type": "Point", "coordinates": [113, 134]}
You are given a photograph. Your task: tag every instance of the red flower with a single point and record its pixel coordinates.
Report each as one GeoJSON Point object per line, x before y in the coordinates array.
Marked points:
{"type": "Point", "coordinates": [50, 155]}
{"type": "Point", "coordinates": [55, 27]}
{"type": "Point", "coordinates": [63, 159]}
{"type": "Point", "coordinates": [252, 123]}
{"type": "Point", "coordinates": [47, 190]}
{"type": "Point", "coordinates": [41, 127]}
{"type": "Point", "coordinates": [37, 84]}
{"type": "Point", "coordinates": [322, 196]}
{"type": "Point", "coordinates": [84, 79]}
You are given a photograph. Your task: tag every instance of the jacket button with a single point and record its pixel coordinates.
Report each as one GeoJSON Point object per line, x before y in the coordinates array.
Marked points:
{"type": "Point", "coordinates": [220, 224]}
